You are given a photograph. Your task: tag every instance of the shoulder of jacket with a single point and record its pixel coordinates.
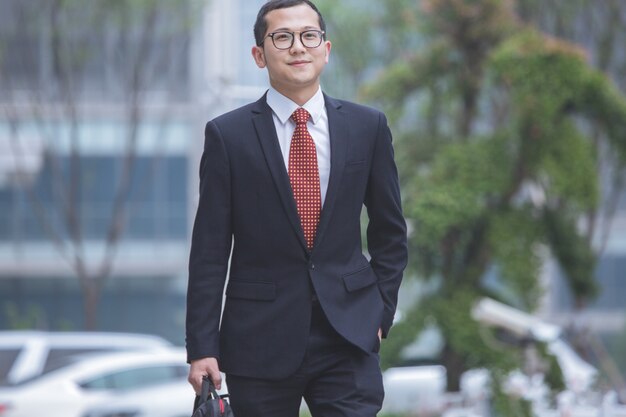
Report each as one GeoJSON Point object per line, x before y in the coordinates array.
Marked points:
{"type": "Point", "coordinates": [356, 108]}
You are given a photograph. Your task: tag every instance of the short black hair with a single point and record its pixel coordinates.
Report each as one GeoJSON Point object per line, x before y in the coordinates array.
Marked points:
{"type": "Point", "coordinates": [260, 26]}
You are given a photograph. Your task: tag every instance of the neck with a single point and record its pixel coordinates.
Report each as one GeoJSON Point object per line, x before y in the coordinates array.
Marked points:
{"type": "Point", "coordinates": [300, 96]}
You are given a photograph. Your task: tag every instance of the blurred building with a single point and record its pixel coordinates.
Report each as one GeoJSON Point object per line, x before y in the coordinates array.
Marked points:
{"type": "Point", "coordinates": [203, 69]}
{"type": "Point", "coordinates": [69, 131]}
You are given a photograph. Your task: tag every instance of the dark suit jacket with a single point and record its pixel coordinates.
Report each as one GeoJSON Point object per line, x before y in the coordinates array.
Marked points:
{"type": "Point", "coordinates": [246, 202]}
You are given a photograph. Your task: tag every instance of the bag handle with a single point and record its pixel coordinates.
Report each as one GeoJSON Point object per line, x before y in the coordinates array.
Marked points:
{"type": "Point", "coordinates": [208, 388]}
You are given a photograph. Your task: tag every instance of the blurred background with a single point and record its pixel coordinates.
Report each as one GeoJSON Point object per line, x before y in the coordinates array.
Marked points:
{"type": "Point", "coordinates": [509, 123]}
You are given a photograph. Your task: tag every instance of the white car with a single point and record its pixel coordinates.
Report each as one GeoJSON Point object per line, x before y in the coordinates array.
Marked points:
{"type": "Point", "coordinates": [415, 389]}
{"type": "Point", "coordinates": [27, 354]}
{"type": "Point", "coordinates": [168, 400]}
{"type": "Point", "coordinates": [72, 389]}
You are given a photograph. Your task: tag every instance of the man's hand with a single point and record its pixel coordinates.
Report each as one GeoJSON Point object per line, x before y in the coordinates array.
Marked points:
{"type": "Point", "coordinates": [202, 367]}
{"type": "Point", "coordinates": [380, 334]}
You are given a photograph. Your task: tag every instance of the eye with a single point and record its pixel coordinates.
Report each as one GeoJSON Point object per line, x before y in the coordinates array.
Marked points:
{"type": "Point", "coordinates": [282, 36]}
{"type": "Point", "coordinates": [311, 35]}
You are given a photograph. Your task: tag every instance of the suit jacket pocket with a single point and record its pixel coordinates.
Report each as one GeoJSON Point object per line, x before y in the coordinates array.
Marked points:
{"type": "Point", "coordinates": [354, 165]}
{"type": "Point", "coordinates": [361, 278]}
{"type": "Point", "coordinates": [249, 290]}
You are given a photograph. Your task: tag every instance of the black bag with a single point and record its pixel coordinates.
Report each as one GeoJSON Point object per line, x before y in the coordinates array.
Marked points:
{"type": "Point", "coordinates": [210, 403]}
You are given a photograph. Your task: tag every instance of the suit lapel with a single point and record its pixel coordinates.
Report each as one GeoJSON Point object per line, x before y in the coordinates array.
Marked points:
{"type": "Point", "coordinates": [266, 133]}
{"type": "Point", "coordinates": [338, 133]}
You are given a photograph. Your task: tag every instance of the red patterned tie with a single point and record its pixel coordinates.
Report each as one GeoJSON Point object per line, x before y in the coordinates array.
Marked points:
{"type": "Point", "coordinates": [304, 176]}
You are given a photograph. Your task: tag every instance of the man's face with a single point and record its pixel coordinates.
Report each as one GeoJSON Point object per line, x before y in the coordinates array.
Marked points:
{"type": "Point", "coordinates": [296, 70]}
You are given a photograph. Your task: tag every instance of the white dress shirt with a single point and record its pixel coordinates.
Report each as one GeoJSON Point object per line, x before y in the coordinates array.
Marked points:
{"type": "Point", "coordinates": [282, 109]}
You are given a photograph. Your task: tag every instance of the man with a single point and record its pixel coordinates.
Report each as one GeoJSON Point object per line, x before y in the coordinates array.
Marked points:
{"type": "Point", "coordinates": [284, 188]}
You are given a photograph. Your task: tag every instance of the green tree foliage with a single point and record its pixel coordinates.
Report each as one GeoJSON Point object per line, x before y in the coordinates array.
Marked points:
{"type": "Point", "coordinates": [499, 117]}
{"type": "Point", "coordinates": [599, 26]}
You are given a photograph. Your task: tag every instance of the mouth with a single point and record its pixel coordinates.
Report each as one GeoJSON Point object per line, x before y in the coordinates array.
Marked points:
{"type": "Point", "coordinates": [298, 63]}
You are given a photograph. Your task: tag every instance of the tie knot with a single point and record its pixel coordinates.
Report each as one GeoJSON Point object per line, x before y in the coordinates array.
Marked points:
{"type": "Point", "coordinates": [300, 116]}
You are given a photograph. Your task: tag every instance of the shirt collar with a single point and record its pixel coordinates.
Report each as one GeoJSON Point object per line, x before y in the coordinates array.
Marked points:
{"type": "Point", "coordinates": [283, 107]}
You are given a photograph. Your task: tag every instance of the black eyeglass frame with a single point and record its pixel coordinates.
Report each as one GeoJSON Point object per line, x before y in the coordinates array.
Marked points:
{"type": "Point", "coordinates": [321, 33]}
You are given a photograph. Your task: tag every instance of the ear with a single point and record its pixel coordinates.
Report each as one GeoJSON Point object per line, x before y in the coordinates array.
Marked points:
{"type": "Point", "coordinates": [259, 56]}
{"type": "Point", "coordinates": [327, 47]}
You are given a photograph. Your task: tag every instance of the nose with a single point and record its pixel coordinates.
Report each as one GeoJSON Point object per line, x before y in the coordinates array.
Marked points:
{"type": "Point", "coordinates": [297, 45]}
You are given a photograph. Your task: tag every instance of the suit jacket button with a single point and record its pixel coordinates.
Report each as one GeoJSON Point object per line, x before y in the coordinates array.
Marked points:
{"type": "Point", "coordinates": [312, 266]}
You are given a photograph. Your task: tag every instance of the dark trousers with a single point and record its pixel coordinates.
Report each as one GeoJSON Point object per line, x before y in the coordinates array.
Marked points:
{"type": "Point", "coordinates": [336, 379]}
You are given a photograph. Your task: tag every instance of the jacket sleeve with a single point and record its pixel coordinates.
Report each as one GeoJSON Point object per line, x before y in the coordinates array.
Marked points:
{"type": "Point", "coordinates": [386, 231]}
{"type": "Point", "coordinates": [210, 249]}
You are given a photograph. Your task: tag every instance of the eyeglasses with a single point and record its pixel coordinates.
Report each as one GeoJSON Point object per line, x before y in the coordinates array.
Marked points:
{"type": "Point", "coordinates": [309, 38]}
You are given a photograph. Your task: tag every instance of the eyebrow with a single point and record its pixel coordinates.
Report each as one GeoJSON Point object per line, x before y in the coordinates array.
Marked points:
{"type": "Point", "coordinates": [284, 29]}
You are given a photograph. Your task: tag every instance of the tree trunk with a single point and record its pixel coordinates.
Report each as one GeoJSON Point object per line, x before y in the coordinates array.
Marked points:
{"type": "Point", "coordinates": [455, 367]}
{"type": "Point", "coordinates": [91, 301]}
